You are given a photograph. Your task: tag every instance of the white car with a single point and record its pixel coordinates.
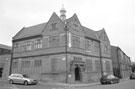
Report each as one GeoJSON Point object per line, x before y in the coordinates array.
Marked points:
{"type": "Point", "coordinates": [22, 79]}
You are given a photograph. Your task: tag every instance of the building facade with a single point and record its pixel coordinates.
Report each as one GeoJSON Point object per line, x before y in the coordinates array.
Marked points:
{"type": "Point", "coordinates": [121, 63]}
{"type": "Point", "coordinates": [62, 50]}
{"type": "Point", "coordinates": [5, 56]}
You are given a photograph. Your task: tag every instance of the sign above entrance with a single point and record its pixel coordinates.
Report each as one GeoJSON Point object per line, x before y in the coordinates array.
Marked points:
{"type": "Point", "coordinates": [77, 59]}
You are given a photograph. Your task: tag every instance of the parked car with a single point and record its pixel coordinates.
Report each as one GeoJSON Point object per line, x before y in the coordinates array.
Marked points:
{"type": "Point", "coordinates": [132, 76]}
{"type": "Point", "coordinates": [109, 79]}
{"type": "Point", "coordinates": [22, 79]}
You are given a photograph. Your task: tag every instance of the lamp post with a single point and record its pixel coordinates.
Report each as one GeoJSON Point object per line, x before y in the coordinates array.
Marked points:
{"type": "Point", "coordinates": [66, 45]}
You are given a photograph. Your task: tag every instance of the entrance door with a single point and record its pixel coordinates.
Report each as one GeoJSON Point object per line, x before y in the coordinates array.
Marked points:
{"type": "Point", "coordinates": [1, 72]}
{"type": "Point", "coordinates": [77, 74]}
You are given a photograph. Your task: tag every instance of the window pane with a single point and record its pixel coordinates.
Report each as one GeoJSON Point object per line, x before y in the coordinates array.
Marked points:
{"type": "Point", "coordinates": [53, 25]}
{"type": "Point", "coordinates": [38, 63]}
{"type": "Point", "coordinates": [25, 63]}
{"type": "Point", "coordinates": [89, 65]}
{"type": "Point", "coordinates": [96, 46]}
{"type": "Point", "coordinates": [38, 43]}
{"type": "Point", "coordinates": [88, 45]}
{"type": "Point", "coordinates": [98, 66]}
{"type": "Point", "coordinates": [15, 64]}
{"type": "Point", "coordinates": [75, 41]}
{"type": "Point", "coordinates": [54, 41]}
{"type": "Point", "coordinates": [53, 64]}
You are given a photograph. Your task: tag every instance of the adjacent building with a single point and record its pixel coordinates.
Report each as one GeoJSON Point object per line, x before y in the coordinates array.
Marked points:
{"type": "Point", "coordinates": [5, 56]}
{"type": "Point", "coordinates": [121, 63]}
{"type": "Point", "coordinates": [62, 50]}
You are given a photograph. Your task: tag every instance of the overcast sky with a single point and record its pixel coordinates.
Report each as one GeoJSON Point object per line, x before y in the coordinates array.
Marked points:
{"type": "Point", "coordinates": [116, 16]}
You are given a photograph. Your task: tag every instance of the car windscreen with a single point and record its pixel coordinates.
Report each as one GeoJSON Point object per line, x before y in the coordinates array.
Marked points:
{"type": "Point", "coordinates": [26, 76]}
{"type": "Point", "coordinates": [110, 76]}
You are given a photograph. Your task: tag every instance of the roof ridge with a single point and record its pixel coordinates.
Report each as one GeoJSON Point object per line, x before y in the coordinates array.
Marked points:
{"type": "Point", "coordinates": [36, 25]}
{"type": "Point", "coordinates": [90, 33]}
{"type": "Point", "coordinates": [5, 46]}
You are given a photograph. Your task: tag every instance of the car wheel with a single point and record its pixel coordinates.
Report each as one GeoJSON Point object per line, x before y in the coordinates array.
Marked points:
{"type": "Point", "coordinates": [102, 82]}
{"type": "Point", "coordinates": [111, 82]}
{"type": "Point", "coordinates": [11, 81]}
{"type": "Point", "coordinates": [118, 81]}
{"type": "Point", "coordinates": [25, 82]}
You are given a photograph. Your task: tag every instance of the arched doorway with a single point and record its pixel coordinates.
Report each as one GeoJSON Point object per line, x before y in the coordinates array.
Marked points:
{"type": "Point", "coordinates": [77, 74]}
{"type": "Point", "coordinates": [1, 72]}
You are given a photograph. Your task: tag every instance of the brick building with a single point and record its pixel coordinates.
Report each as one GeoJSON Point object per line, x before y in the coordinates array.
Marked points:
{"type": "Point", "coordinates": [121, 63]}
{"type": "Point", "coordinates": [62, 50]}
{"type": "Point", "coordinates": [5, 56]}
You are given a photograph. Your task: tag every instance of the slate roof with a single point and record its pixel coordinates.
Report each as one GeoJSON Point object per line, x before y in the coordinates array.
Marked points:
{"type": "Point", "coordinates": [89, 33]}
{"type": "Point", "coordinates": [5, 47]}
{"type": "Point", "coordinates": [37, 30]}
{"type": "Point", "coordinates": [30, 31]}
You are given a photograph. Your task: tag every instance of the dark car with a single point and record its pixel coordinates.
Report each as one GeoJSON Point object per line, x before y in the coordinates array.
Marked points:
{"type": "Point", "coordinates": [109, 79]}
{"type": "Point", "coordinates": [132, 76]}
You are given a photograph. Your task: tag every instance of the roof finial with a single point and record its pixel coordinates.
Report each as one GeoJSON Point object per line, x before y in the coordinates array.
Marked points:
{"type": "Point", "coordinates": [62, 5]}
{"type": "Point", "coordinates": [63, 12]}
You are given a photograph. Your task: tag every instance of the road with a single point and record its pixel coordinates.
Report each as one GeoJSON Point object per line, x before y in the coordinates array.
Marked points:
{"type": "Point", "coordinates": [128, 84]}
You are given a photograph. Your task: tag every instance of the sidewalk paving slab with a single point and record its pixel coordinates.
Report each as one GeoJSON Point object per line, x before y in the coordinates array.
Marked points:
{"type": "Point", "coordinates": [69, 85]}
{"type": "Point", "coordinates": [75, 85]}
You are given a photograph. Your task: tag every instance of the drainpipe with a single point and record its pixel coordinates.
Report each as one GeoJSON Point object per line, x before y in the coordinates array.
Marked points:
{"type": "Point", "coordinates": [100, 58]}
{"type": "Point", "coordinates": [118, 63]}
{"type": "Point", "coordinates": [11, 60]}
{"type": "Point", "coordinates": [66, 46]}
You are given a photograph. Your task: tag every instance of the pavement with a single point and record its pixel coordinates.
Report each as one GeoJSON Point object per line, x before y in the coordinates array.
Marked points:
{"type": "Point", "coordinates": [75, 85]}
{"type": "Point", "coordinates": [66, 84]}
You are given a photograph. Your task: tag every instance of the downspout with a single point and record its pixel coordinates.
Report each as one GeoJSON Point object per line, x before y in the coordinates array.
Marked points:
{"type": "Point", "coordinates": [11, 60]}
{"type": "Point", "coordinates": [100, 56]}
{"type": "Point", "coordinates": [118, 63]}
{"type": "Point", "coordinates": [66, 36]}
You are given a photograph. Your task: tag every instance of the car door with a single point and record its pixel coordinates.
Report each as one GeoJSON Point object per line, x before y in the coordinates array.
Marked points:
{"type": "Point", "coordinates": [20, 79]}
{"type": "Point", "coordinates": [17, 79]}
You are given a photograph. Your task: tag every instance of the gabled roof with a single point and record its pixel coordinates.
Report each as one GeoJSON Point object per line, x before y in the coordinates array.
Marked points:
{"type": "Point", "coordinates": [33, 30]}
{"type": "Point", "coordinates": [30, 31]}
{"type": "Point", "coordinates": [89, 33]}
{"type": "Point", "coordinates": [54, 18]}
{"type": "Point", "coordinates": [100, 33]}
{"type": "Point", "coordinates": [5, 47]}
{"type": "Point", "coordinates": [40, 28]}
